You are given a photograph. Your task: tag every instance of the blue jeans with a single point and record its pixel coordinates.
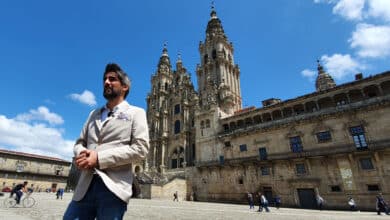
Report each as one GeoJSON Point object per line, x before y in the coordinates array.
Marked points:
{"type": "Point", "coordinates": [98, 202]}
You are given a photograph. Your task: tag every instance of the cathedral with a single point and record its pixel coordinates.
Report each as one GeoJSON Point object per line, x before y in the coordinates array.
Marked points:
{"type": "Point", "coordinates": [332, 142]}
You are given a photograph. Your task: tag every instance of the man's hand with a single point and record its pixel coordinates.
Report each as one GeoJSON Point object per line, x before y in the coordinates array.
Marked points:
{"type": "Point", "coordinates": [87, 159]}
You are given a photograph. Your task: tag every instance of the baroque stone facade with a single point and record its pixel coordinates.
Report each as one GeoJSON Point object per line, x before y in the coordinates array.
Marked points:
{"type": "Point", "coordinates": [333, 142]}
{"type": "Point", "coordinates": [41, 172]}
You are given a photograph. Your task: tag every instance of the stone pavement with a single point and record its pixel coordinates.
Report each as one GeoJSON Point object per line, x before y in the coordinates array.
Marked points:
{"type": "Point", "coordinates": [49, 208]}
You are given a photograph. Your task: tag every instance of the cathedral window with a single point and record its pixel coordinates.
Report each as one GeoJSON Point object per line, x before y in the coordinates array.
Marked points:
{"type": "Point", "coordinates": [323, 136]}
{"type": "Point", "coordinates": [214, 54]}
{"type": "Point", "coordinates": [359, 137]}
{"type": "Point", "coordinates": [373, 187]}
{"type": "Point", "coordinates": [226, 127]}
{"type": "Point", "coordinates": [221, 159]}
{"type": "Point", "coordinates": [243, 147]}
{"type": "Point", "coordinates": [205, 58]}
{"type": "Point", "coordinates": [265, 170]}
{"type": "Point", "coordinates": [177, 109]}
{"type": "Point", "coordinates": [335, 188]}
{"type": "Point", "coordinates": [166, 86]}
{"type": "Point", "coordinates": [201, 124]}
{"type": "Point", "coordinates": [177, 126]}
{"type": "Point", "coordinates": [296, 144]}
{"type": "Point", "coordinates": [263, 153]}
{"type": "Point", "coordinates": [366, 164]}
{"type": "Point", "coordinates": [300, 168]}
{"type": "Point", "coordinates": [207, 123]}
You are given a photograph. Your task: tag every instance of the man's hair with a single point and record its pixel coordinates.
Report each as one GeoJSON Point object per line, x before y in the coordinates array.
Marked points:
{"type": "Point", "coordinates": [25, 182]}
{"type": "Point", "coordinates": [123, 78]}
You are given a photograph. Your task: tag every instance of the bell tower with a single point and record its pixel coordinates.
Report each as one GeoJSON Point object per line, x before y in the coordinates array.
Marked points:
{"type": "Point", "coordinates": [218, 76]}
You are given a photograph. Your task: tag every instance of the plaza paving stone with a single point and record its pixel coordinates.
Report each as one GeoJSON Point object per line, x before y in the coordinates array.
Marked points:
{"type": "Point", "coordinates": [49, 208]}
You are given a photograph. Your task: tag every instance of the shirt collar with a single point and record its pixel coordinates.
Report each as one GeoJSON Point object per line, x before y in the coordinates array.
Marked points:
{"type": "Point", "coordinates": [116, 108]}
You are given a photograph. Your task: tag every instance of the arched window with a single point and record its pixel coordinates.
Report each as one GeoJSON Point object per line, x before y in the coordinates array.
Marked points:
{"type": "Point", "coordinates": [214, 54]}
{"type": "Point", "coordinates": [177, 158]}
{"type": "Point", "coordinates": [166, 86]}
{"type": "Point", "coordinates": [205, 58]}
{"type": "Point", "coordinates": [177, 127]}
{"type": "Point", "coordinates": [177, 109]}
{"type": "Point", "coordinates": [207, 123]}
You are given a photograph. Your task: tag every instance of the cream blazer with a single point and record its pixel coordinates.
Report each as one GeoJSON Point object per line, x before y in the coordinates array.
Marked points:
{"type": "Point", "coordinates": [120, 140]}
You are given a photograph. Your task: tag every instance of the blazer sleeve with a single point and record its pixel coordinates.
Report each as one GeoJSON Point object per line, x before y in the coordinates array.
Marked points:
{"type": "Point", "coordinates": [136, 150]}
{"type": "Point", "coordinates": [81, 142]}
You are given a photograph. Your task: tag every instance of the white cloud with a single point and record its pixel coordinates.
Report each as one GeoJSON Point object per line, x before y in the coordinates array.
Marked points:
{"type": "Point", "coordinates": [34, 138]}
{"type": "Point", "coordinates": [340, 66]}
{"type": "Point", "coordinates": [310, 74]}
{"type": "Point", "coordinates": [379, 9]}
{"type": "Point", "coordinates": [349, 9]}
{"type": "Point", "coordinates": [371, 41]}
{"type": "Point", "coordinates": [87, 97]}
{"type": "Point", "coordinates": [41, 114]}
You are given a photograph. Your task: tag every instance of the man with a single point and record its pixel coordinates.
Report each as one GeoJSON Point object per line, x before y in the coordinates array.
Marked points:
{"type": "Point", "coordinates": [320, 202]}
{"type": "Point", "coordinates": [175, 196]}
{"type": "Point", "coordinates": [18, 190]}
{"type": "Point", "coordinates": [381, 205]}
{"type": "Point", "coordinates": [114, 137]}
{"type": "Point", "coordinates": [250, 200]}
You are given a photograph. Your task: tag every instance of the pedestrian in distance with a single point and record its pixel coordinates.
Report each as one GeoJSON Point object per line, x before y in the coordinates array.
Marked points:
{"type": "Point", "coordinates": [175, 196]}
{"type": "Point", "coordinates": [320, 202]}
{"type": "Point", "coordinates": [113, 138]}
{"type": "Point", "coordinates": [264, 202]}
{"type": "Point", "coordinates": [259, 200]}
{"type": "Point", "coordinates": [381, 205]}
{"type": "Point", "coordinates": [278, 200]}
{"type": "Point", "coordinates": [250, 200]}
{"type": "Point", "coordinates": [352, 204]}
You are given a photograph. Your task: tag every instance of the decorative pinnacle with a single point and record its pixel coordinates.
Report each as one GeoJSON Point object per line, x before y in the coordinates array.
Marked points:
{"type": "Point", "coordinates": [178, 56]}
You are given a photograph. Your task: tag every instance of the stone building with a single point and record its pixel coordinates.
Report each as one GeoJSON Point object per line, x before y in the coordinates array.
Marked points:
{"type": "Point", "coordinates": [41, 172]}
{"type": "Point", "coordinates": [333, 142]}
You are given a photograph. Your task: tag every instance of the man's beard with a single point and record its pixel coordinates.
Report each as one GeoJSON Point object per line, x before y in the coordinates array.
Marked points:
{"type": "Point", "coordinates": [111, 93]}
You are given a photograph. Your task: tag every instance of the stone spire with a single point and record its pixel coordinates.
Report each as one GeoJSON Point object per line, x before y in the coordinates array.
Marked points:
{"type": "Point", "coordinates": [164, 59]}
{"type": "Point", "coordinates": [217, 75]}
{"type": "Point", "coordinates": [324, 81]}
{"type": "Point", "coordinates": [214, 26]}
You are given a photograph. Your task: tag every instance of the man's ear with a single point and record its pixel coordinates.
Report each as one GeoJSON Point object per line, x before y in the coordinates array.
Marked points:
{"type": "Point", "coordinates": [125, 88]}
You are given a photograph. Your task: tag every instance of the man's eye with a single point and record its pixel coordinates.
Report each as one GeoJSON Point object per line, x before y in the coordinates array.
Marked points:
{"type": "Point", "coordinates": [111, 78]}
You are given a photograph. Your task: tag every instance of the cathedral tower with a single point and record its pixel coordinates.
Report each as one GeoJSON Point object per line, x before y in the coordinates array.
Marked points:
{"type": "Point", "coordinates": [218, 76]}
{"type": "Point", "coordinates": [171, 117]}
{"type": "Point", "coordinates": [324, 81]}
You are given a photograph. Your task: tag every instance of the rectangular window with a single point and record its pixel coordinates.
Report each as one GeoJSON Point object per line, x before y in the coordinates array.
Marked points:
{"type": "Point", "coordinates": [366, 164]}
{"type": "Point", "coordinates": [174, 163]}
{"type": "Point", "coordinates": [335, 188]}
{"type": "Point", "coordinates": [323, 136]}
{"type": "Point", "coordinates": [221, 160]}
{"type": "Point", "coordinates": [243, 147]}
{"type": "Point", "coordinates": [265, 171]}
{"type": "Point", "coordinates": [300, 168]}
{"type": "Point", "coordinates": [177, 109]}
{"type": "Point", "coordinates": [227, 144]}
{"type": "Point", "coordinates": [296, 144]}
{"type": "Point", "coordinates": [372, 187]}
{"type": "Point", "coordinates": [263, 153]}
{"type": "Point", "coordinates": [359, 137]}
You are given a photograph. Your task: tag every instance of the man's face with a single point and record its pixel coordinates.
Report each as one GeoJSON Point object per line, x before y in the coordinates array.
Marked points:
{"type": "Point", "coordinates": [113, 87]}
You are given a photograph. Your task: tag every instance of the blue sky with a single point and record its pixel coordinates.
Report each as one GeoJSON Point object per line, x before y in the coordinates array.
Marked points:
{"type": "Point", "coordinates": [53, 53]}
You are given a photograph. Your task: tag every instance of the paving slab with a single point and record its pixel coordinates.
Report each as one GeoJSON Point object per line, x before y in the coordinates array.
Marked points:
{"type": "Point", "coordinates": [49, 208]}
